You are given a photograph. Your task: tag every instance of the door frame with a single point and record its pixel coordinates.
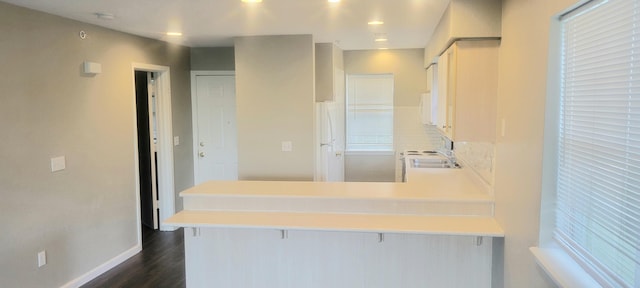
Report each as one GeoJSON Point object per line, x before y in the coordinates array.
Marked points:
{"type": "Point", "coordinates": [164, 145]}
{"type": "Point", "coordinates": [194, 111]}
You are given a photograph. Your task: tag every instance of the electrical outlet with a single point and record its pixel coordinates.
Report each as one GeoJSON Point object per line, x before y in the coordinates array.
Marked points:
{"type": "Point", "coordinates": [42, 258]}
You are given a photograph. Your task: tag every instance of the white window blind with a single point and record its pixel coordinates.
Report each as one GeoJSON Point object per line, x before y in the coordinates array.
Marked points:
{"type": "Point", "coordinates": [369, 121]}
{"type": "Point", "coordinates": [598, 188]}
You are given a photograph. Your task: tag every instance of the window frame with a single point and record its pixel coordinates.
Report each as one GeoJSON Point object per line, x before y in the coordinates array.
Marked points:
{"type": "Point", "coordinates": [553, 258]}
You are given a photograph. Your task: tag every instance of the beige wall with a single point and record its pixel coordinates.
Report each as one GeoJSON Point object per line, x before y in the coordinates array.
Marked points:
{"type": "Point", "coordinates": [212, 59]}
{"type": "Point", "coordinates": [410, 77]}
{"type": "Point", "coordinates": [521, 103]}
{"type": "Point", "coordinates": [85, 215]}
{"type": "Point", "coordinates": [275, 103]}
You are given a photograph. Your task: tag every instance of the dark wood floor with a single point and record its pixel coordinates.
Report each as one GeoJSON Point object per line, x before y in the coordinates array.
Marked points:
{"type": "Point", "coordinates": [159, 264]}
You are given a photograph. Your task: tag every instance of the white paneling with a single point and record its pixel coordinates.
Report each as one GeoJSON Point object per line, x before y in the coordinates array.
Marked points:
{"type": "Point", "coordinates": [258, 258]}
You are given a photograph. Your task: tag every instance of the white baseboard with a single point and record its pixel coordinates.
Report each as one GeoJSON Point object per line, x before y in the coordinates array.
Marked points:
{"type": "Point", "coordinates": [168, 228]}
{"type": "Point", "coordinates": [103, 268]}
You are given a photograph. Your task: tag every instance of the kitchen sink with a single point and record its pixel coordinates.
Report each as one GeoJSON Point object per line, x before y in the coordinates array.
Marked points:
{"type": "Point", "coordinates": [432, 163]}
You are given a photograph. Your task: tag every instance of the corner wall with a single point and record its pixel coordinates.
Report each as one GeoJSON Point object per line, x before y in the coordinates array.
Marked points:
{"type": "Point", "coordinates": [275, 103]}
{"type": "Point", "coordinates": [86, 214]}
{"type": "Point", "coordinates": [521, 103]}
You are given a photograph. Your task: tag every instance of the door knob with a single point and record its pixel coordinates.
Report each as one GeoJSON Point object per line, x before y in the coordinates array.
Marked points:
{"type": "Point", "coordinates": [201, 154]}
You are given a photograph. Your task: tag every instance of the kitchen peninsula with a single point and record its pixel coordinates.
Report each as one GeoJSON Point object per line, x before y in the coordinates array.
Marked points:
{"type": "Point", "coordinates": [436, 230]}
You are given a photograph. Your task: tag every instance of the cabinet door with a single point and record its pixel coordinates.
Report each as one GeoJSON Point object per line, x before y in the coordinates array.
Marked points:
{"type": "Point", "coordinates": [452, 93]}
{"type": "Point", "coordinates": [476, 90]}
{"type": "Point", "coordinates": [441, 116]}
{"type": "Point", "coordinates": [447, 91]}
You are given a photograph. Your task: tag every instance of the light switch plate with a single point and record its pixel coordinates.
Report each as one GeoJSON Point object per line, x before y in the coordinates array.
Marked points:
{"type": "Point", "coordinates": [42, 258]}
{"type": "Point", "coordinates": [176, 140]}
{"type": "Point", "coordinates": [287, 146]}
{"type": "Point", "coordinates": [58, 163]}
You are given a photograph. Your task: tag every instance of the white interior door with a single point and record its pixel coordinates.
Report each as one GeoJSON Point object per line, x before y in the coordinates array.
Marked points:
{"type": "Point", "coordinates": [215, 138]}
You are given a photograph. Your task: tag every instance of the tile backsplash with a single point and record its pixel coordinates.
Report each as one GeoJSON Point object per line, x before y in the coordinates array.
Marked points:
{"type": "Point", "coordinates": [411, 134]}
{"type": "Point", "coordinates": [479, 156]}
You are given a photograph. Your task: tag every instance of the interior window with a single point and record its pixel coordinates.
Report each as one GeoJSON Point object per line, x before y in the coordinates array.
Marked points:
{"type": "Point", "coordinates": [369, 121]}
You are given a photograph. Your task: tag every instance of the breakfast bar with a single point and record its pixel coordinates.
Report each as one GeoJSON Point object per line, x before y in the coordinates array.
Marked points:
{"type": "Point", "coordinates": [421, 233]}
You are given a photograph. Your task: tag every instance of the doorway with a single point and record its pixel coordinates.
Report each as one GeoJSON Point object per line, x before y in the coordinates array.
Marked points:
{"type": "Point", "coordinates": [214, 126]}
{"type": "Point", "coordinates": [157, 154]}
{"type": "Point", "coordinates": [147, 155]}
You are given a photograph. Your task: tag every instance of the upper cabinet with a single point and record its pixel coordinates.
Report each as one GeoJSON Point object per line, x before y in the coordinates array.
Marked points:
{"type": "Point", "coordinates": [464, 19]}
{"type": "Point", "coordinates": [428, 100]}
{"type": "Point", "coordinates": [463, 56]}
{"type": "Point", "coordinates": [329, 68]}
{"type": "Point", "coordinates": [467, 91]}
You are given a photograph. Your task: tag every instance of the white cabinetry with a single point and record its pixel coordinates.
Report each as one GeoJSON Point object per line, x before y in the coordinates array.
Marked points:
{"type": "Point", "coordinates": [429, 100]}
{"type": "Point", "coordinates": [444, 80]}
{"type": "Point", "coordinates": [426, 113]}
{"type": "Point", "coordinates": [467, 91]}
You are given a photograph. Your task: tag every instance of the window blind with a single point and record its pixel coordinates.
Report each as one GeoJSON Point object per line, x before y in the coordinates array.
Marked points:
{"type": "Point", "coordinates": [598, 188]}
{"type": "Point", "coordinates": [369, 115]}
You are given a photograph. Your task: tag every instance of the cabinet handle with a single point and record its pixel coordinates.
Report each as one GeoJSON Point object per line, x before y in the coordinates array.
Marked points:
{"type": "Point", "coordinates": [201, 154]}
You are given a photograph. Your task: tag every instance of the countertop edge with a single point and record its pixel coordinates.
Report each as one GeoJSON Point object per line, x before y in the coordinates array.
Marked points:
{"type": "Point", "coordinates": [368, 223]}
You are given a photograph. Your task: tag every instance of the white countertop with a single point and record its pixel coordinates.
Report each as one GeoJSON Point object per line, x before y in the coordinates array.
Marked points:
{"type": "Point", "coordinates": [424, 185]}
{"type": "Point", "coordinates": [457, 180]}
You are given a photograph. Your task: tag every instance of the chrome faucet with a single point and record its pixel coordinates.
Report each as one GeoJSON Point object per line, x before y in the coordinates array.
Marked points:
{"type": "Point", "coordinates": [450, 155]}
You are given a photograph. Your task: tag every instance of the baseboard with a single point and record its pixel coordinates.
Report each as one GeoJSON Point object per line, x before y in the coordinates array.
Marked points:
{"type": "Point", "coordinates": [103, 268]}
{"type": "Point", "coordinates": [168, 228]}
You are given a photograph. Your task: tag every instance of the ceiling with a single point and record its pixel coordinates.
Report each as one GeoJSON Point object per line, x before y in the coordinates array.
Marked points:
{"type": "Point", "coordinates": [214, 23]}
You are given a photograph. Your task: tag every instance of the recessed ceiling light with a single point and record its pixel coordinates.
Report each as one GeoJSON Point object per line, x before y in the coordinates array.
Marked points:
{"type": "Point", "coordinates": [174, 34]}
{"type": "Point", "coordinates": [251, 1]}
{"type": "Point", "coordinates": [375, 22]}
{"type": "Point", "coordinates": [380, 37]}
{"type": "Point", "coordinates": [333, 1]}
